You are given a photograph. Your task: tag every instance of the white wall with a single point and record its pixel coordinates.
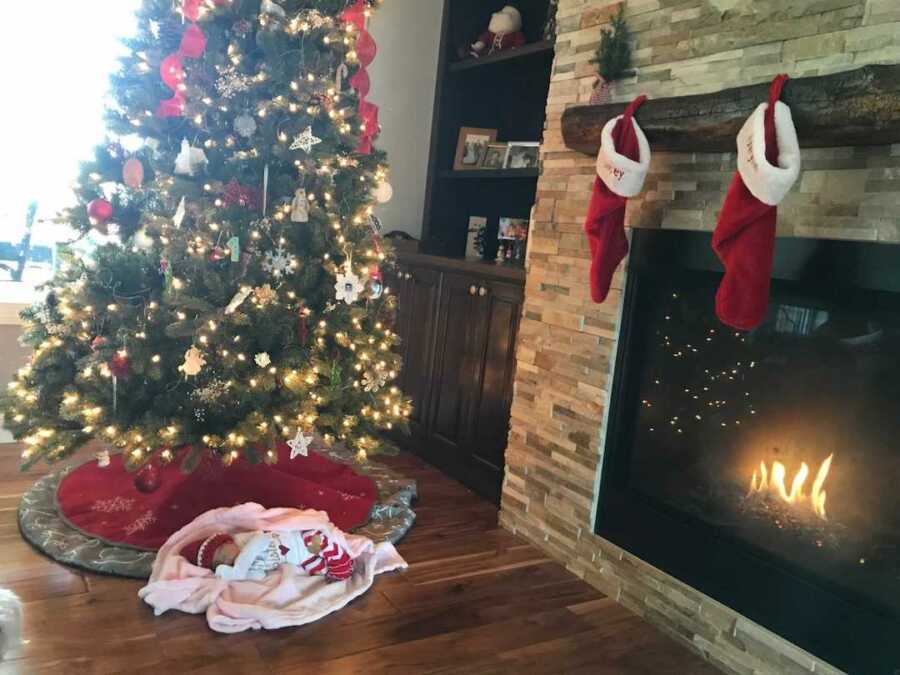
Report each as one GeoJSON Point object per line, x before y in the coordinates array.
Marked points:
{"type": "Point", "coordinates": [403, 79]}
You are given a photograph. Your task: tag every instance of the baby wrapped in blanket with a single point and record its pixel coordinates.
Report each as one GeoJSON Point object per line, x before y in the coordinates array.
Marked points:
{"type": "Point", "coordinates": [251, 571]}
{"type": "Point", "coordinates": [252, 555]}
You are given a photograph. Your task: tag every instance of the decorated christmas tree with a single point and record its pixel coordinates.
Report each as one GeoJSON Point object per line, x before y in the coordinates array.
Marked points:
{"type": "Point", "coordinates": [240, 301]}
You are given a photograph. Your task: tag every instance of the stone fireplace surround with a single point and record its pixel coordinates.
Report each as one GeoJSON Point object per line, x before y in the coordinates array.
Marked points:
{"type": "Point", "coordinates": [567, 344]}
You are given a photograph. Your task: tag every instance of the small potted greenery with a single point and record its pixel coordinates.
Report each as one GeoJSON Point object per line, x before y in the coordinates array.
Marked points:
{"type": "Point", "coordinates": [613, 57]}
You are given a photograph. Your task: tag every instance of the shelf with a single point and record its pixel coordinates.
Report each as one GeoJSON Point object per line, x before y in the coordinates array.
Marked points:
{"type": "Point", "coordinates": [534, 49]}
{"type": "Point", "coordinates": [488, 269]}
{"type": "Point", "coordinates": [857, 107]}
{"type": "Point", "coordinates": [491, 173]}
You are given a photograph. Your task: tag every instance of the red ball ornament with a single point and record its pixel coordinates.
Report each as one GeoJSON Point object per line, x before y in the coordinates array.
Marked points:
{"type": "Point", "coordinates": [193, 42]}
{"type": "Point", "coordinates": [218, 254]}
{"type": "Point", "coordinates": [366, 49]}
{"type": "Point", "coordinates": [98, 342]}
{"type": "Point", "coordinates": [120, 365]}
{"type": "Point", "coordinates": [100, 211]}
{"type": "Point", "coordinates": [133, 173]}
{"type": "Point", "coordinates": [148, 479]}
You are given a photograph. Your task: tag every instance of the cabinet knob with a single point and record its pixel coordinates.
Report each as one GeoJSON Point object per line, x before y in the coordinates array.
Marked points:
{"type": "Point", "coordinates": [473, 290]}
{"type": "Point", "coordinates": [407, 276]}
{"type": "Point", "coordinates": [482, 291]}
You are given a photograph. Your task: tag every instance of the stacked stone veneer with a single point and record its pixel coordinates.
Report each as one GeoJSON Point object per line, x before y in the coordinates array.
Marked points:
{"type": "Point", "coordinates": [567, 343]}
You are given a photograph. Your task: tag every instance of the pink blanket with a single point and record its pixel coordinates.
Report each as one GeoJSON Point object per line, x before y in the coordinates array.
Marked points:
{"type": "Point", "coordinates": [286, 597]}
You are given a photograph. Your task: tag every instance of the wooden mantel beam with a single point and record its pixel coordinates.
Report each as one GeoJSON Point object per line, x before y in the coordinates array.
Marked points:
{"type": "Point", "coordinates": [858, 107]}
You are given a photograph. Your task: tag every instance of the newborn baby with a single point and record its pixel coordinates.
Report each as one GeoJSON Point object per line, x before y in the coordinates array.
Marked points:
{"type": "Point", "coordinates": [252, 555]}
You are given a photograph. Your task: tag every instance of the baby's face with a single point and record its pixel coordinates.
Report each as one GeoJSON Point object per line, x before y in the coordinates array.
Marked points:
{"type": "Point", "coordinates": [226, 554]}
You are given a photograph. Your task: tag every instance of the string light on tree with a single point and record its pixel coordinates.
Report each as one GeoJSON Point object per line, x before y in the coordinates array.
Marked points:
{"type": "Point", "coordinates": [199, 285]}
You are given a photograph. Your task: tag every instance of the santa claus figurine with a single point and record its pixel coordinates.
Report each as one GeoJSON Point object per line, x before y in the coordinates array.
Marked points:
{"type": "Point", "coordinates": [252, 555]}
{"type": "Point", "coordinates": [504, 32]}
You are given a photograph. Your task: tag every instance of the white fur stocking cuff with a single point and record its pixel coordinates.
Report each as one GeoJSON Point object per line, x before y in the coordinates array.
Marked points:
{"type": "Point", "coordinates": [769, 184]}
{"type": "Point", "coordinates": [622, 175]}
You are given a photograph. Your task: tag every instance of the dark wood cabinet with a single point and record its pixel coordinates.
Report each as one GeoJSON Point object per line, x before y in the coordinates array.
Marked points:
{"type": "Point", "coordinates": [418, 289]}
{"type": "Point", "coordinates": [453, 371]}
{"type": "Point", "coordinates": [460, 319]}
{"type": "Point", "coordinates": [459, 322]}
{"type": "Point", "coordinates": [498, 313]}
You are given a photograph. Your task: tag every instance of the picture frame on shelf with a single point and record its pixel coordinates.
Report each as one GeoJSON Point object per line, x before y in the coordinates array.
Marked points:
{"type": "Point", "coordinates": [522, 155]}
{"type": "Point", "coordinates": [494, 156]}
{"type": "Point", "coordinates": [475, 238]}
{"type": "Point", "coordinates": [513, 236]}
{"type": "Point", "coordinates": [471, 147]}
{"type": "Point", "coordinates": [513, 229]}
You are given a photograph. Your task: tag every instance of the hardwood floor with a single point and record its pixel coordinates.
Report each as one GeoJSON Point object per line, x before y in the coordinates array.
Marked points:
{"type": "Point", "coordinates": [475, 599]}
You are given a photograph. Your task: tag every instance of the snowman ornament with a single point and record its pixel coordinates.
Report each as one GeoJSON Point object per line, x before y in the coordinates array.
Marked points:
{"type": "Point", "coordinates": [300, 207]}
{"type": "Point", "coordinates": [190, 160]}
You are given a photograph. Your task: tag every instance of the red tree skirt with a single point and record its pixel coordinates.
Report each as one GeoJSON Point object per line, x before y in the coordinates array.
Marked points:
{"type": "Point", "coordinates": [105, 503]}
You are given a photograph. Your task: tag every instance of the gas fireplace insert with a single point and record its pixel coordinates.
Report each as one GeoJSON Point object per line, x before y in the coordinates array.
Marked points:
{"type": "Point", "coordinates": [763, 468]}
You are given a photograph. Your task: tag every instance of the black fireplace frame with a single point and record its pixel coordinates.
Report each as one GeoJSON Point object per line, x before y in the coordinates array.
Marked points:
{"type": "Point", "coordinates": [820, 618]}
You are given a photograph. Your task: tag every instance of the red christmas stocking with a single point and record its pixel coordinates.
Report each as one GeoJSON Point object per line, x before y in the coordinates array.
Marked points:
{"type": "Point", "coordinates": [621, 169]}
{"type": "Point", "coordinates": [768, 166]}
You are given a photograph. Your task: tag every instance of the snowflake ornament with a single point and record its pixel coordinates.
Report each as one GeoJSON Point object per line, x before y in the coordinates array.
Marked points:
{"type": "Point", "coordinates": [43, 314]}
{"type": "Point", "coordinates": [348, 286]}
{"type": "Point", "coordinates": [374, 380]}
{"type": "Point", "coordinates": [316, 19]}
{"type": "Point", "coordinates": [232, 82]}
{"type": "Point", "coordinates": [245, 125]}
{"type": "Point", "coordinates": [265, 295]}
{"type": "Point", "coordinates": [300, 444]}
{"type": "Point", "coordinates": [263, 360]}
{"type": "Point", "coordinates": [306, 141]}
{"type": "Point", "coordinates": [279, 263]}
{"type": "Point", "coordinates": [211, 394]}
{"type": "Point", "coordinates": [263, 225]}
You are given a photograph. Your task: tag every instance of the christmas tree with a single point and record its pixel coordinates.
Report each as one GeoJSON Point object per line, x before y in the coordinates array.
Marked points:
{"type": "Point", "coordinates": [241, 303]}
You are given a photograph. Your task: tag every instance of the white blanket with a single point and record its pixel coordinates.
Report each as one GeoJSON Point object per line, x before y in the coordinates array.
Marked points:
{"type": "Point", "coordinates": [286, 597]}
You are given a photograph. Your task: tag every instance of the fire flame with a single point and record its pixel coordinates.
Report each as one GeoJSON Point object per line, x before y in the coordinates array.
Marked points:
{"type": "Point", "coordinates": [774, 480]}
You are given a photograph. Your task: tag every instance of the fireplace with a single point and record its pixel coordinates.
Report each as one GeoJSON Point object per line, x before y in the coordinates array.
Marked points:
{"type": "Point", "coordinates": [763, 468]}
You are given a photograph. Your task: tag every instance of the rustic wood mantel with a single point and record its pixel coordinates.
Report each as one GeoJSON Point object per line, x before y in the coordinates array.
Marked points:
{"type": "Point", "coordinates": [858, 107]}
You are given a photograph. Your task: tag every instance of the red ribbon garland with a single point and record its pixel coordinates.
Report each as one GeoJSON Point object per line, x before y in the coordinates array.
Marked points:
{"type": "Point", "coordinates": [193, 45]}
{"type": "Point", "coordinates": [366, 49]}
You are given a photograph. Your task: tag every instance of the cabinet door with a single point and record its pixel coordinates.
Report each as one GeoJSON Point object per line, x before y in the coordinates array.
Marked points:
{"type": "Point", "coordinates": [451, 391]}
{"type": "Point", "coordinates": [495, 363]}
{"type": "Point", "coordinates": [418, 292]}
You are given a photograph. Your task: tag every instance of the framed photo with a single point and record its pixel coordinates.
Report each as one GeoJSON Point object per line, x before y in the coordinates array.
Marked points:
{"type": "Point", "coordinates": [475, 239]}
{"type": "Point", "coordinates": [522, 155]}
{"type": "Point", "coordinates": [472, 147]}
{"type": "Point", "coordinates": [494, 156]}
{"type": "Point", "coordinates": [513, 229]}
{"type": "Point", "coordinates": [513, 237]}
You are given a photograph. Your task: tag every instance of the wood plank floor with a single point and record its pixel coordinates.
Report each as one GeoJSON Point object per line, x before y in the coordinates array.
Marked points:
{"type": "Point", "coordinates": [475, 599]}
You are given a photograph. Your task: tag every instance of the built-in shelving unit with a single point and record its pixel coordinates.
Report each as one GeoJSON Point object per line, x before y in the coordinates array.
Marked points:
{"type": "Point", "coordinates": [506, 91]}
{"type": "Point", "coordinates": [485, 174]}
{"type": "Point", "coordinates": [534, 49]}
